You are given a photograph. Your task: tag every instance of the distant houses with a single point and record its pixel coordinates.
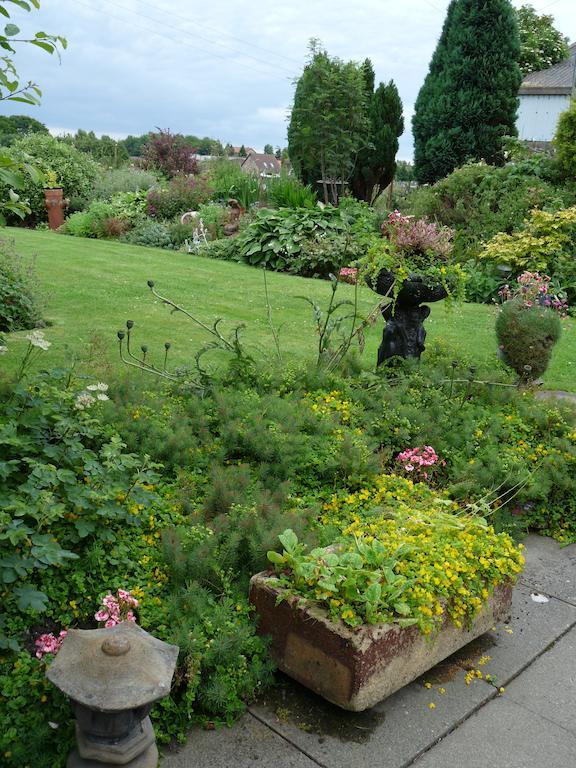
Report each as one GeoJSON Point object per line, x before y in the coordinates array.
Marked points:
{"type": "Point", "coordinates": [257, 163]}
{"type": "Point", "coordinates": [543, 97]}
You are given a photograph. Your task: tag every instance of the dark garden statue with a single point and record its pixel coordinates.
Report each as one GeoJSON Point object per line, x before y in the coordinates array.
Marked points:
{"type": "Point", "coordinates": [404, 334]}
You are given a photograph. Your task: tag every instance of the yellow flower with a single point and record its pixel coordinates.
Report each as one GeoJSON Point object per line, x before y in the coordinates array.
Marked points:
{"type": "Point", "coordinates": [431, 705]}
{"type": "Point", "coordinates": [428, 685]}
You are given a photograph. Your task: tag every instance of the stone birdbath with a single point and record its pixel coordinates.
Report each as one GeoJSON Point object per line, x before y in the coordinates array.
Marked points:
{"type": "Point", "coordinates": [113, 676]}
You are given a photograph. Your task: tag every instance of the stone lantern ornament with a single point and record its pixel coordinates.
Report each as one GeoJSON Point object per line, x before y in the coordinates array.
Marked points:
{"type": "Point", "coordinates": [113, 676]}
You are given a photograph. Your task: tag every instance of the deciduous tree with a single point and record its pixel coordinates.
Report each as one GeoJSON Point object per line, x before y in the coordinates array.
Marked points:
{"type": "Point", "coordinates": [541, 44]}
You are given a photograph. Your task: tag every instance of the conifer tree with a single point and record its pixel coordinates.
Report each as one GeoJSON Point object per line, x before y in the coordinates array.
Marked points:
{"type": "Point", "coordinates": [472, 101]}
{"type": "Point", "coordinates": [427, 115]}
{"type": "Point", "coordinates": [376, 164]}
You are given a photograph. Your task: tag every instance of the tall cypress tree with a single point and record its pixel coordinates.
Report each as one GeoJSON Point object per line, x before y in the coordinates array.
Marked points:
{"type": "Point", "coordinates": [427, 117]}
{"type": "Point", "coordinates": [475, 90]}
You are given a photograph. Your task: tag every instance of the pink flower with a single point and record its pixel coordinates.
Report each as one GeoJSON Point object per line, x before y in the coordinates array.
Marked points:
{"type": "Point", "coordinates": [110, 623]}
{"type": "Point", "coordinates": [102, 616]}
{"type": "Point", "coordinates": [49, 643]}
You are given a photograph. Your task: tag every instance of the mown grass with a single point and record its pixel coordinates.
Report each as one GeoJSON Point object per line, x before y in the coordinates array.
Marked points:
{"type": "Point", "coordinates": [94, 286]}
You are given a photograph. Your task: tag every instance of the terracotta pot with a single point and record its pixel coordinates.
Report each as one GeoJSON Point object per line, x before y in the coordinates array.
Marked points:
{"type": "Point", "coordinates": [55, 203]}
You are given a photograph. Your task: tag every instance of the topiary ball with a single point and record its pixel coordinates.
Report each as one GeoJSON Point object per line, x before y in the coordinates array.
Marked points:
{"type": "Point", "coordinates": [526, 336]}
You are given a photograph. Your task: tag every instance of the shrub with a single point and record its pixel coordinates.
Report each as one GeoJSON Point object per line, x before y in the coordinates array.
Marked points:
{"type": "Point", "coordinates": [483, 281]}
{"type": "Point", "coordinates": [75, 170]}
{"type": "Point", "coordinates": [222, 176]}
{"type": "Point", "coordinates": [480, 200]}
{"type": "Point", "coordinates": [126, 179]}
{"type": "Point", "coordinates": [169, 153]}
{"type": "Point", "coordinates": [20, 303]}
{"type": "Point", "coordinates": [90, 223]}
{"type": "Point", "coordinates": [526, 337]}
{"type": "Point", "coordinates": [546, 243]}
{"type": "Point", "coordinates": [278, 239]}
{"type": "Point", "coordinates": [214, 217]}
{"type": "Point", "coordinates": [565, 141]}
{"type": "Point", "coordinates": [182, 194]}
{"type": "Point", "coordinates": [149, 233]}
{"type": "Point", "coordinates": [289, 192]}
{"type": "Point", "coordinates": [108, 218]}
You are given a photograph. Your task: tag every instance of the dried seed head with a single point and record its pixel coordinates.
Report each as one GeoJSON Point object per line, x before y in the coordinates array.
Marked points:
{"type": "Point", "coordinates": [129, 324]}
{"type": "Point", "coordinates": [121, 335]}
{"type": "Point", "coordinates": [150, 283]}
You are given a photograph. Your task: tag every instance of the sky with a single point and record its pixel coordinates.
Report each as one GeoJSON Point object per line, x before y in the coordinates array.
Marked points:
{"type": "Point", "coordinates": [223, 68]}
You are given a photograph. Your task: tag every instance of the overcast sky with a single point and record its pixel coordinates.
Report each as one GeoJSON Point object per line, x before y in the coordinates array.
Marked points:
{"type": "Point", "coordinates": [220, 68]}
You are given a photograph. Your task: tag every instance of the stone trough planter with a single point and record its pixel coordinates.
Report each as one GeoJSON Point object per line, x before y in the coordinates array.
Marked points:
{"type": "Point", "coordinates": [357, 668]}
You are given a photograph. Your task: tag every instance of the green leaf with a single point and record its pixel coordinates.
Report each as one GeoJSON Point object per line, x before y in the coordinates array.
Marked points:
{"type": "Point", "coordinates": [29, 599]}
{"type": "Point", "coordinates": [373, 593]}
{"type": "Point", "coordinates": [289, 540]}
{"type": "Point", "coordinates": [48, 47]}
{"type": "Point", "coordinates": [407, 622]}
{"type": "Point", "coordinates": [11, 29]}
{"type": "Point", "coordinates": [275, 557]}
{"type": "Point", "coordinates": [403, 609]}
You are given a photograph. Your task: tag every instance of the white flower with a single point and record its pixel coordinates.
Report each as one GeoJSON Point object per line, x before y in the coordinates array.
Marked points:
{"type": "Point", "coordinates": [100, 387]}
{"type": "Point", "coordinates": [102, 396]}
{"type": "Point", "coordinates": [84, 400]}
{"type": "Point", "coordinates": [36, 338]}
{"type": "Point", "coordinates": [3, 350]}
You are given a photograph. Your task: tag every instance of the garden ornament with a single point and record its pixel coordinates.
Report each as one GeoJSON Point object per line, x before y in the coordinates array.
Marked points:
{"type": "Point", "coordinates": [404, 334]}
{"type": "Point", "coordinates": [113, 676]}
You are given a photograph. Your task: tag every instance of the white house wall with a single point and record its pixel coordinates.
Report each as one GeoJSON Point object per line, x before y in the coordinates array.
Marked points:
{"type": "Point", "coordinates": [538, 116]}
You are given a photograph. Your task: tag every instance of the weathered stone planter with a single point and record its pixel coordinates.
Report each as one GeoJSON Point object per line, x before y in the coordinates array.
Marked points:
{"type": "Point", "coordinates": [355, 669]}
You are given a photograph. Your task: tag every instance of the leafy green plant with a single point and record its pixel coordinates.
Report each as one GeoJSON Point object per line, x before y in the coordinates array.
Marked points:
{"type": "Point", "coordinates": [276, 238]}
{"type": "Point", "coordinates": [126, 179]}
{"type": "Point", "coordinates": [182, 193]}
{"type": "Point", "coordinates": [388, 564]}
{"type": "Point", "coordinates": [21, 305]}
{"type": "Point", "coordinates": [545, 244]}
{"type": "Point", "coordinates": [565, 141]}
{"type": "Point", "coordinates": [287, 192]}
{"type": "Point", "coordinates": [246, 189]}
{"type": "Point", "coordinates": [480, 200]}
{"type": "Point", "coordinates": [76, 171]}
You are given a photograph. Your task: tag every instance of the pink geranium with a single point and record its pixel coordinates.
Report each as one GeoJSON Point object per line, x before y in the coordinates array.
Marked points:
{"type": "Point", "coordinates": [117, 608]}
{"type": "Point", "coordinates": [420, 462]}
{"type": "Point", "coordinates": [49, 643]}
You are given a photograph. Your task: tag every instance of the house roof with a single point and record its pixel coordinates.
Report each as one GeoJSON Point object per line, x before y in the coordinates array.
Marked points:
{"type": "Point", "coordinates": [264, 163]}
{"type": "Point", "coordinates": [559, 80]}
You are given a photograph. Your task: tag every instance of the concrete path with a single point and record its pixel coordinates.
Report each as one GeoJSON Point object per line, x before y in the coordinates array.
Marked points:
{"type": "Point", "coordinates": [532, 724]}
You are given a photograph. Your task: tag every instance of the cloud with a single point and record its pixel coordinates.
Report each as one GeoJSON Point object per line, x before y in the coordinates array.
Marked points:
{"type": "Point", "coordinates": [220, 69]}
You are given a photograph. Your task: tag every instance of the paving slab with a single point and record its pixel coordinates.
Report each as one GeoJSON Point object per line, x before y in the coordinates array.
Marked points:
{"type": "Point", "coordinates": [506, 735]}
{"type": "Point", "coordinates": [551, 568]}
{"type": "Point", "coordinates": [391, 734]}
{"type": "Point", "coordinates": [548, 687]}
{"type": "Point", "coordinates": [533, 628]}
{"type": "Point", "coordinates": [245, 745]}
{"type": "Point", "coordinates": [402, 727]}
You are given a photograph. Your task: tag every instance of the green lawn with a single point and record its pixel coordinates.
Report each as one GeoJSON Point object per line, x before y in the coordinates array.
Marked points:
{"type": "Point", "coordinates": [95, 286]}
